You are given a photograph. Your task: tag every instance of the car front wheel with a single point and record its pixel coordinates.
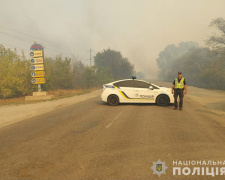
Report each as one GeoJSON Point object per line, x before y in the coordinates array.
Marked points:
{"type": "Point", "coordinates": [163, 100]}
{"type": "Point", "coordinates": [113, 100]}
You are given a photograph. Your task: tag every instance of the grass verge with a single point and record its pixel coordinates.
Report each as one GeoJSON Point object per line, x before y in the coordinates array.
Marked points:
{"type": "Point", "coordinates": [58, 94]}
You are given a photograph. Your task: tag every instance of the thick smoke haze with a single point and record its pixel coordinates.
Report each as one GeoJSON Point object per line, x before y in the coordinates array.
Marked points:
{"type": "Point", "coordinates": [140, 29]}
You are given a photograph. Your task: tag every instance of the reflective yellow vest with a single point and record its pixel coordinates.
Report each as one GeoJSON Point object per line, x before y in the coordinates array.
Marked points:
{"type": "Point", "coordinates": [179, 85]}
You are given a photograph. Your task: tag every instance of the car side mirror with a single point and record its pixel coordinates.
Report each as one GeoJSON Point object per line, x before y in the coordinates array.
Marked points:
{"type": "Point", "coordinates": [150, 87]}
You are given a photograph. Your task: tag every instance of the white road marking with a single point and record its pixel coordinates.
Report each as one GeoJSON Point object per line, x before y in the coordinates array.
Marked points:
{"type": "Point", "coordinates": [113, 120]}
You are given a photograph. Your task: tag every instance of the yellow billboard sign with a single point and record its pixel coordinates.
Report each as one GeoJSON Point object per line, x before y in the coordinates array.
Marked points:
{"type": "Point", "coordinates": [37, 67]}
{"type": "Point", "coordinates": [38, 60]}
{"type": "Point", "coordinates": [38, 81]}
{"type": "Point", "coordinates": [38, 74]}
{"type": "Point", "coordinates": [36, 54]}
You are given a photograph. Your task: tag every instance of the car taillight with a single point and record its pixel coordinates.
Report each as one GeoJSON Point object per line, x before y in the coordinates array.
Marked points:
{"type": "Point", "coordinates": [104, 87]}
{"type": "Point", "coordinates": [107, 86]}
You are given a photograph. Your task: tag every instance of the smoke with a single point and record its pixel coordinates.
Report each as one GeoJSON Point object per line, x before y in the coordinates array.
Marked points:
{"type": "Point", "coordinates": [140, 29]}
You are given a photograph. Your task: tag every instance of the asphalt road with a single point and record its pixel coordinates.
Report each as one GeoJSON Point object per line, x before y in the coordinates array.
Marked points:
{"type": "Point", "coordinates": [91, 140]}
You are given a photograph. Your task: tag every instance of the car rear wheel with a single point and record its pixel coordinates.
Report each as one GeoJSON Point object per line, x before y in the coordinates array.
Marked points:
{"type": "Point", "coordinates": [113, 100]}
{"type": "Point", "coordinates": [163, 100]}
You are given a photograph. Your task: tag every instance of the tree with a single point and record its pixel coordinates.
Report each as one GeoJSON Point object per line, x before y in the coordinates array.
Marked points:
{"type": "Point", "coordinates": [58, 73]}
{"type": "Point", "coordinates": [168, 56]}
{"type": "Point", "coordinates": [217, 40]}
{"type": "Point", "coordinates": [14, 73]}
{"type": "Point", "coordinates": [202, 67]}
{"type": "Point", "coordinates": [118, 66]}
{"type": "Point", "coordinates": [193, 64]}
{"type": "Point", "coordinates": [78, 74]}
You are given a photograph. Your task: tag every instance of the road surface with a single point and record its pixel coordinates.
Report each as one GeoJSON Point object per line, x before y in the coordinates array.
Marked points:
{"type": "Point", "coordinates": [91, 140]}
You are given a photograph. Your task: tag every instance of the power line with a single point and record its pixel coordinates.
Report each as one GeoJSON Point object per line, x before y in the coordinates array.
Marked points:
{"type": "Point", "coordinates": [30, 41]}
{"type": "Point", "coordinates": [13, 46]}
{"type": "Point", "coordinates": [59, 48]}
{"type": "Point", "coordinates": [23, 39]}
{"type": "Point", "coordinates": [24, 50]}
{"type": "Point", "coordinates": [56, 44]}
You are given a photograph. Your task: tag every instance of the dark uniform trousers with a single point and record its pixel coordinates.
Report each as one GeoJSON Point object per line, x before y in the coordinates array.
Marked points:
{"type": "Point", "coordinates": [180, 93]}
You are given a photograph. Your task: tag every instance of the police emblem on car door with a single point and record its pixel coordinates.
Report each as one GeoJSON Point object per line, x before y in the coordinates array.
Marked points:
{"type": "Point", "coordinates": [144, 92]}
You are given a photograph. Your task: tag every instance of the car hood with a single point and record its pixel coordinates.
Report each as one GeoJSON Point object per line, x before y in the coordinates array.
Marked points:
{"type": "Point", "coordinates": [165, 89]}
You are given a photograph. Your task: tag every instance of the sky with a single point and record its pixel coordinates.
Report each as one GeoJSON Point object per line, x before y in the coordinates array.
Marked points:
{"type": "Point", "coordinates": [139, 29]}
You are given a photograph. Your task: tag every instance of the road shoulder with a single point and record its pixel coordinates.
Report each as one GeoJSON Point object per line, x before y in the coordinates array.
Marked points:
{"type": "Point", "coordinates": [14, 113]}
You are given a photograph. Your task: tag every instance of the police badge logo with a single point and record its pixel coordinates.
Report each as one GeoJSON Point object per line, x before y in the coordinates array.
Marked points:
{"type": "Point", "coordinates": [159, 167]}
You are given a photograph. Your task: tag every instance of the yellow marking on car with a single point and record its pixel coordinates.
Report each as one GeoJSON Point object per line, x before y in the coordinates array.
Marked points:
{"type": "Point", "coordinates": [122, 93]}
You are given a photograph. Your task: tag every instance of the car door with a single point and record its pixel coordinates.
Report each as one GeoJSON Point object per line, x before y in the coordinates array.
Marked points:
{"type": "Point", "coordinates": [126, 90]}
{"type": "Point", "coordinates": [143, 93]}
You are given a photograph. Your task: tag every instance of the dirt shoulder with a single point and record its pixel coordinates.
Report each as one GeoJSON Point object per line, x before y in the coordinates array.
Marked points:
{"type": "Point", "coordinates": [58, 94]}
{"type": "Point", "coordinates": [213, 100]}
{"type": "Point", "coordinates": [15, 113]}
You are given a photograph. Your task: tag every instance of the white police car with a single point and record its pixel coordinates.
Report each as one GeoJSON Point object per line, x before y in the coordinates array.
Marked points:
{"type": "Point", "coordinates": [136, 91]}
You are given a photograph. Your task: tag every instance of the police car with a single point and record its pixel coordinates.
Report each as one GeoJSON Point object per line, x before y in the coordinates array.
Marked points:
{"type": "Point", "coordinates": [136, 91]}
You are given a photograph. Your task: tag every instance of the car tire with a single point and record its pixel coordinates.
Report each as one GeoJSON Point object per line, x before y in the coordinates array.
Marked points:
{"type": "Point", "coordinates": [162, 100]}
{"type": "Point", "coordinates": [113, 100]}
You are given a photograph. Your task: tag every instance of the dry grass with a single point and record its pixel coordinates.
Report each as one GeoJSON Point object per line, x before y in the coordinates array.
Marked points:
{"type": "Point", "coordinates": [19, 99]}
{"type": "Point", "coordinates": [61, 93]}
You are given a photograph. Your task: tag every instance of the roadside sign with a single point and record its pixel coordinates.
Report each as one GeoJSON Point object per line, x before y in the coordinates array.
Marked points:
{"type": "Point", "coordinates": [38, 80]}
{"type": "Point", "coordinates": [38, 74]}
{"type": "Point", "coordinates": [37, 60]}
{"type": "Point", "coordinates": [37, 67]}
{"type": "Point", "coordinates": [36, 54]}
{"type": "Point", "coordinates": [36, 46]}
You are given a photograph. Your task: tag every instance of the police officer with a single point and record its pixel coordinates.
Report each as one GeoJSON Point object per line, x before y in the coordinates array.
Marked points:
{"type": "Point", "coordinates": [179, 85]}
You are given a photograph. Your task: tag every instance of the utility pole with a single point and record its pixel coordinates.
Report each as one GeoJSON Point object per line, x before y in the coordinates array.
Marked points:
{"type": "Point", "coordinates": [90, 58]}
{"type": "Point", "coordinates": [90, 51]}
